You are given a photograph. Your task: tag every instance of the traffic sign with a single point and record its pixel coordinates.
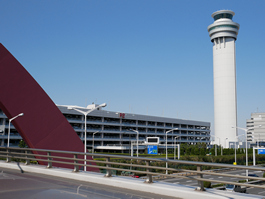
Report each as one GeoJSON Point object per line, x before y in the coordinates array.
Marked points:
{"type": "Point", "coordinates": [152, 149]}
{"type": "Point", "coordinates": [261, 151]}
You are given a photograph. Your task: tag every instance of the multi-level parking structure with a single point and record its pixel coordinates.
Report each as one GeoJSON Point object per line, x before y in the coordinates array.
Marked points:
{"type": "Point", "coordinates": [113, 130]}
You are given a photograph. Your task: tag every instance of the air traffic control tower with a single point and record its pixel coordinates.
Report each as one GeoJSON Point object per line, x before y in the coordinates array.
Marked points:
{"type": "Point", "coordinates": [223, 33]}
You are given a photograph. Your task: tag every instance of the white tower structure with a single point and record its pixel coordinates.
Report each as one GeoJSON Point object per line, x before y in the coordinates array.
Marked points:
{"type": "Point", "coordinates": [223, 33]}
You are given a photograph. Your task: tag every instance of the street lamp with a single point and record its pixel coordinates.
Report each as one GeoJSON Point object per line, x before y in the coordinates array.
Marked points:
{"type": "Point", "coordinates": [85, 114]}
{"type": "Point", "coordinates": [259, 137]}
{"type": "Point", "coordinates": [215, 144]}
{"type": "Point", "coordinates": [121, 137]}
{"type": "Point", "coordinates": [8, 137]}
{"type": "Point", "coordinates": [166, 145]}
{"type": "Point", "coordinates": [246, 131]}
{"type": "Point", "coordinates": [93, 141]}
{"type": "Point", "coordinates": [136, 141]}
{"type": "Point", "coordinates": [236, 147]}
{"type": "Point", "coordinates": [219, 145]}
{"type": "Point", "coordinates": [175, 148]}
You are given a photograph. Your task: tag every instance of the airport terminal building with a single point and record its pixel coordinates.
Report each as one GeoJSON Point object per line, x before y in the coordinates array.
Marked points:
{"type": "Point", "coordinates": [110, 131]}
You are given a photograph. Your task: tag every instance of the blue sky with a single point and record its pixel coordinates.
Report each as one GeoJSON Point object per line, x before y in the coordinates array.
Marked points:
{"type": "Point", "coordinates": [139, 56]}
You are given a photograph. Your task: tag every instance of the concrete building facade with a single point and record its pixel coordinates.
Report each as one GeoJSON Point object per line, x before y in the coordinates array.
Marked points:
{"type": "Point", "coordinates": [256, 132]}
{"type": "Point", "coordinates": [112, 130]}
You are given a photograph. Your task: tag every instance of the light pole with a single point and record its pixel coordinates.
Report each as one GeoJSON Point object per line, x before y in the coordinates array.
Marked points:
{"type": "Point", "coordinates": [219, 145]}
{"type": "Point", "coordinates": [236, 146]}
{"type": "Point", "coordinates": [121, 136]}
{"type": "Point", "coordinates": [226, 143]}
{"type": "Point", "coordinates": [166, 145]}
{"type": "Point", "coordinates": [246, 131]}
{"type": "Point", "coordinates": [8, 137]}
{"type": "Point", "coordinates": [259, 137]}
{"type": "Point", "coordinates": [136, 141]}
{"type": "Point", "coordinates": [85, 114]}
{"type": "Point", "coordinates": [215, 144]}
{"type": "Point", "coordinates": [175, 148]}
{"type": "Point", "coordinates": [93, 141]}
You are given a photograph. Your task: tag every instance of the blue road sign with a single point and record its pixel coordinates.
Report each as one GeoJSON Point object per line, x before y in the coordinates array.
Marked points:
{"type": "Point", "coordinates": [152, 149]}
{"type": "Point", "coordinates": [261, 151]}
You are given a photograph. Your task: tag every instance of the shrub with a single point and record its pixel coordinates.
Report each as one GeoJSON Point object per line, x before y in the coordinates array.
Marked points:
{"type": "Point", "coordinates": [207, 184]}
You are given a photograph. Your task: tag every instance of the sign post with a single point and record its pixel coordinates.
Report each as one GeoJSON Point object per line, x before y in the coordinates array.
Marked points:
{"type": "Point", "coordinates": [261, 150]}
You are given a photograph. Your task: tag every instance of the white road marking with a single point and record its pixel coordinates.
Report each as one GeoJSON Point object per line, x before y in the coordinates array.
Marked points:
{"type": "Point", "coordinates": [193, 184]}
{"type": "Point", "coordinates": [261, 192]}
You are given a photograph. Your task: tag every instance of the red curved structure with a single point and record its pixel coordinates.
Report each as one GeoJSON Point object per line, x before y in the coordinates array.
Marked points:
{"type": "Point", "coordinates": [43, 126]}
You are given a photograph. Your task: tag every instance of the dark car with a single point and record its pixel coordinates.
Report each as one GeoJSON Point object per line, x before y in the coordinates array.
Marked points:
{"type": "Point", "coordinates": [253, 175]}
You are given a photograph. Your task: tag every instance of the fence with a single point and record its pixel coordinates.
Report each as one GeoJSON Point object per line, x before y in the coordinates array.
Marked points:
{"type": "Point", "coordinates": [140, 165]}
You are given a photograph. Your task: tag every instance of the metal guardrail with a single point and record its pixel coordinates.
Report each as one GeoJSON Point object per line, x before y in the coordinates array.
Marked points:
{"type": "Point", "coordinates": [141, 165]}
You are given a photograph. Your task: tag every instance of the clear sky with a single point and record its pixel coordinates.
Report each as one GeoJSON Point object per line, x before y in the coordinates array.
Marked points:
{"type": "Point", "coordinates": [139, 56]}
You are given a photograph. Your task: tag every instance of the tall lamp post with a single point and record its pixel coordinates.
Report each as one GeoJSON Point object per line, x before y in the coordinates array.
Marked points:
{"type": "Point", "coordinates": [236, 146]}
{"type": "Point", "coordinates": [137, 140]}
{"type": "Point", "coordinates": [166, 145]}
{"type": "Point", "coordinates": [219, 145]}
{"type": "Point", "coordinates": [93, 141]}
{"type": "Point", "coordinates": [246, 131]}
{"type": "Point", "coordinates": [175, 147]}
{"type": "Point", "coordinates": [226, 143]}
{"type": "Point", "coordinates": [259, 136]}
{"type": "Point", "coordinates": [121, 136]}
{"type": "Point", "coordinates": [215, 144]}
{"type": "Point", "coordinates": [8, 137]}
{"type": "Point", "coordinates": [85, 114]}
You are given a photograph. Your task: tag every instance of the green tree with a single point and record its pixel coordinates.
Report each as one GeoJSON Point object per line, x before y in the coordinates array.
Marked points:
{"type": "Point", "coordinates": [203, 151]}
{"type": "Point", "coordinates": [22, 144]}
{"type": "Point", "coordinates": [196, 150]}
{"type": "Point", "coordinates": [212, 151]}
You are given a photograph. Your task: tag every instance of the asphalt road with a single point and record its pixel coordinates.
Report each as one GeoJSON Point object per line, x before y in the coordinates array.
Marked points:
{"type": "Point", "coordinates": [17, 184]}
{"type": "Point", "coordinates": [256, 191]}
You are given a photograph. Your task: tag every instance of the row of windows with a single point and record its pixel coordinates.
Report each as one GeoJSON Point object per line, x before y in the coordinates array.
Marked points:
{"type": "Point", "coordinates": [133, 122]}
{"type": "Point", "coordinates": [123, 129]}
{"type": "Point", "coordinates": [223, 15]}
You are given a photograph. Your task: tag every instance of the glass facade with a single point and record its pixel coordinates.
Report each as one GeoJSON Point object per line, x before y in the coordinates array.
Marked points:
{"type": "Point", "coordinates": [223, 15]}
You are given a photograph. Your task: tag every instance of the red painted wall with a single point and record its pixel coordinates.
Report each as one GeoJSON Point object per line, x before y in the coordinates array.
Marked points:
{"type": "Point", "coordinates": [43, 126]}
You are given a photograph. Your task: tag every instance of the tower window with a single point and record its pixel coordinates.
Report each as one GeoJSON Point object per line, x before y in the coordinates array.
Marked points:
{"type": "Point", "coordinates": [223, 15]}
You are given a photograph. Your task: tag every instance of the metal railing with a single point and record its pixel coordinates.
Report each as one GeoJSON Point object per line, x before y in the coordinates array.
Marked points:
{"type": "Point", "coordinates": [140, 165]}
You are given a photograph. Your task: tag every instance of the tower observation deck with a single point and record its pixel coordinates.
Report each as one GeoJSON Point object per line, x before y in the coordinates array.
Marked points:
{"type": "Point", "coordinates": [223, 25]}
{"type": "Point", "coordinates": [223, 33]}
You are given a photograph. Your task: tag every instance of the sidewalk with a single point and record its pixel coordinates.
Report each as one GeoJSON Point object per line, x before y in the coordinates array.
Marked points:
{"type": "Point", "coordinates": [167, 189]}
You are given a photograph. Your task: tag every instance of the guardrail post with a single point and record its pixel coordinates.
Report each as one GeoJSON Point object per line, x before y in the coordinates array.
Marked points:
{"type": "Point", "coordinates": [8, 159]}
{"type": "Point", "coordinates": [200, 183]}
{"type": "Point", "coordinates": [108, 172]}
{"type": "Point", "coordinates": [49, 163]}
{"type": "Point", "coordinates": [149, 176]}
{"type": "Point", "coordinates": [27, 161]}
{"type": "Point", "coordinates": [76, 167]}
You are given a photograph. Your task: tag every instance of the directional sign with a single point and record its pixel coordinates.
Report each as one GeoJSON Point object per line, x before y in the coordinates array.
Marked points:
{"type": "Point", "coordinates": [261, 151]}
{"type": "Point", "coordinates": [152, 149]}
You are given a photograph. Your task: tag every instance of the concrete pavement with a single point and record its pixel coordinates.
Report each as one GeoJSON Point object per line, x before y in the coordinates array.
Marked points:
{"type": "Point", "coordinates": [162, 188]}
